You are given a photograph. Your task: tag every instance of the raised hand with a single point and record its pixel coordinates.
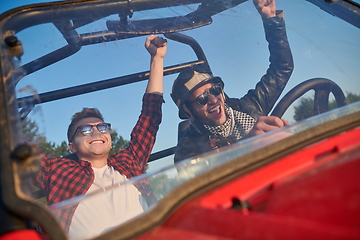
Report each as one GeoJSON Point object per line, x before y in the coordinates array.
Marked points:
{"type": "Point", "coordinates": [266, 8]}
{"type": "Point", "coordinates": [156, 46]}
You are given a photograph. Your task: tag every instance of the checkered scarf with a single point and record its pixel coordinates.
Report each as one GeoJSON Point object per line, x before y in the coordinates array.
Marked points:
{"type": "Point", "coordinates": [237, 124]}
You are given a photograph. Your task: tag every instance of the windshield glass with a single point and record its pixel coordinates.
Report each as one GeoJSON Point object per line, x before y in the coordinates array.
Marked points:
{"type": "Point", "coordinates": [57, 60]}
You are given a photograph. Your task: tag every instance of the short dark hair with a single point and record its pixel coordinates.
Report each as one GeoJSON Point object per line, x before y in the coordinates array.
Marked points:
{"type": "Point", "coordinates": [85, 113]}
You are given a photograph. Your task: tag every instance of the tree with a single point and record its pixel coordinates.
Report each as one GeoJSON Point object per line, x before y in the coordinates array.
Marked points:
{"type": "Point", "coordinates": [161, 184]}
{"type": "Point", "coordinates": [30, 131]}
{"type": "Point", "coordinates": [305, 108]}
{"type": "Point", "coordinates": [53, 150]}
{"type": "Point", "coordinates": [118, 142]}
{"type": "Point", "coordinates": [352, 97]}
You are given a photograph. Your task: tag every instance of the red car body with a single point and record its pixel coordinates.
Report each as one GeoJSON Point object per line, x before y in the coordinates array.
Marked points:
{"type": "Point", "coordinates": [310, 194]}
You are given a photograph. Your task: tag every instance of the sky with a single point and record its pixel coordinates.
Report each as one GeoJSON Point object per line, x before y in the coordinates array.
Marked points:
{"type": "Point", "coordinates": [235, 46]}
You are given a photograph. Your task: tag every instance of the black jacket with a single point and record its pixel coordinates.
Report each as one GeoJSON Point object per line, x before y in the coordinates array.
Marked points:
{"type": "Point", "coordinates": [257, 102]}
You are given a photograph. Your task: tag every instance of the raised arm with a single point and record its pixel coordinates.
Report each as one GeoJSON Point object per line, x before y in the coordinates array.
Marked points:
{"type": "Point", "coordinates": [156, 46]}
{"type": "Point", "coordinates": [274, 81]}
{"type": "Point", "coordinates": [132, 160]}
{"type": "Point", "coordinates": [260, 100]}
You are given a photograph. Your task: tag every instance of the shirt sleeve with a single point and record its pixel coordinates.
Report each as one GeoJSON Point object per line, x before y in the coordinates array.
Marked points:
{"type": "Point", "coordinates": [42, 178]}
{"type": "Point", "coordinates": [133, 159]}
{"type": "Point", "coordinates": [260, 101]}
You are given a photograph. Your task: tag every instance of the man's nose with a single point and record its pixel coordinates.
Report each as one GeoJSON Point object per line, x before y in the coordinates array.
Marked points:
{"type": "Point", "coordinates": [212, 99]}
{"type": "Point", "coordinates": [95, 131]}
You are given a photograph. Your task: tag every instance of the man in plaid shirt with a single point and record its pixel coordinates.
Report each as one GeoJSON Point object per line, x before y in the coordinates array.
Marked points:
{"type": "Point", "coordinates": [93, 169]}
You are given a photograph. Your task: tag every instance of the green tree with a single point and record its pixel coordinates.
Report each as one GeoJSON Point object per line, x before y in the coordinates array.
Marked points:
{"type": "Point", "coordinates": [118, 142]}
{"type": "Point", "coordinates": [305, 108]}
{"type": "Point", "coordinates": [352, 97]}
{"type": "Point", "coordinates": [161, 185]}
{"type": "Point", "coordinates": [30, 130]}
{"type": "Point", "coordinates": [53, 150]}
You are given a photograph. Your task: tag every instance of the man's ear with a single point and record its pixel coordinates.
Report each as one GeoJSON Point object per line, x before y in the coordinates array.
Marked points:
{"type": "Point", "coordinates": [187, 112]}
{"type": "Point", "coordinates": [72, 147]}
{"type": "Point", "coordinates": [225, 96]}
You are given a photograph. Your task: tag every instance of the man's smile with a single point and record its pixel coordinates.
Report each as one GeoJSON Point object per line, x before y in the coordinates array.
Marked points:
{"type": "Point", "coordinates": [215, 111]}
{"type": "Point", "coordinates": [97, 141]}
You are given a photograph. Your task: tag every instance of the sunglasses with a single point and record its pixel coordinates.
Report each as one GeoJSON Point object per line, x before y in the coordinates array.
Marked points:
{"type": "Point", "coordinates": [203, 99]}
{"type": "Point", "coordinates": [87, 129]}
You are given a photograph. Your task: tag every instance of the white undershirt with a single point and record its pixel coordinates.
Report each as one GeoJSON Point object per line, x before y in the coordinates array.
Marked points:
{"type": "Point", "coordinates": [100, 213]}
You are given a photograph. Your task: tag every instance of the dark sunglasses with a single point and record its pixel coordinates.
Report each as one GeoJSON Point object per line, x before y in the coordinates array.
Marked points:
{"type": "Point", "coordinates": [203, 99]}
{"type": "Point", "coordinates": [87, 129]}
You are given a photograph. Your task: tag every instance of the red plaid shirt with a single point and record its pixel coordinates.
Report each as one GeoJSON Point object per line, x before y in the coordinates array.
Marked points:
{"type": "Point", "coordinates": [65, 178]}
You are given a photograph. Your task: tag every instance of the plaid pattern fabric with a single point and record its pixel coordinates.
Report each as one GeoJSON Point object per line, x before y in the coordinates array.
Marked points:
{"type": "Point", "coordinates": [237, 124]}
{"type": "Point", "coordinates": [243, 123]}
{"type": "Point", "coordinates": [64, 178]}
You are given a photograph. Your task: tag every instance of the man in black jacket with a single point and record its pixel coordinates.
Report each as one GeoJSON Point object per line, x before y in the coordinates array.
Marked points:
{"type": "Point", "coordinates": [217, 120]}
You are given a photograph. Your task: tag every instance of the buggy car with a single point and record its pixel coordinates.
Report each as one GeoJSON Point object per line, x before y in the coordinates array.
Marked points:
{"type": "Point", "coordinates": [300, 181]}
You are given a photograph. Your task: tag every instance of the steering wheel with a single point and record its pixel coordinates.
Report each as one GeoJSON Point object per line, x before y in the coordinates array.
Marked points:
{"type": "Point", "coordinates": [322, 88]}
